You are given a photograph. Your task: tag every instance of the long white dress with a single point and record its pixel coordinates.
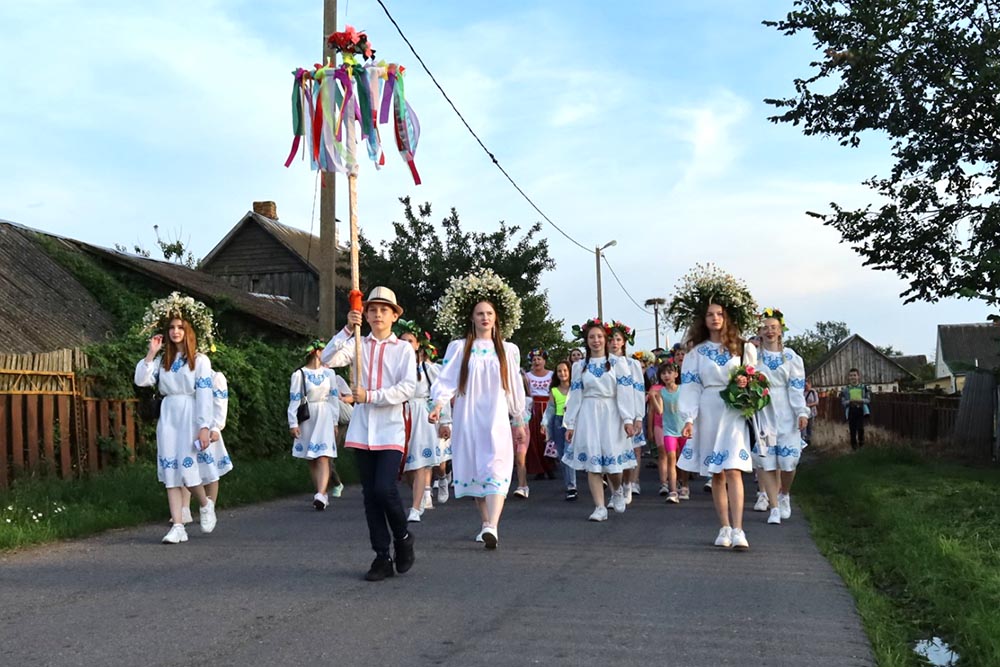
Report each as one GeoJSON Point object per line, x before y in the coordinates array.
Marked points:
{"type": "Point", "coordinates": [599, 404]}
{"type": "Point", "coordinates": [721, 439]}
{"type": "Point", "coordinates": [187, 408]}
{"type": "Point", "coordinates": [481, 441]}
{"type": "Point", "coordinates": [638, 386]}
{"type": "Point", "coordinates": [215, 462]}
{"type": "Point", "coordinates": [425, 448]}
{"type": "Point", "coordinates": [781, 442]}
{"type": "Point", "coordinates": [317, 435]}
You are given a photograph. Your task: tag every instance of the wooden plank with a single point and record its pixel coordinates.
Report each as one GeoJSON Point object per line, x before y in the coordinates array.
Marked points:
{"type": "Point", "coordinates": [17, 433]}
{"type": "Point", "coordinates": [65, 458]}
{"type": "Point", "coordinates": [130, 430]}
{"type": "Point", "coordinates": [4, 452]}
{"type": "Point", "coordinates": [93, 464]}
{"type": "Point", "coordinates": [105, 429]}
{"type": "Point", "coordinates": [48, 431]}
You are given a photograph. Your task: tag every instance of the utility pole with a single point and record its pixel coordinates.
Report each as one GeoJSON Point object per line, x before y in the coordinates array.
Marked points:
{"type": "Point", "coordinates": [597, 258]}
{"type": "Point", "coordinates": [327, 210]}
{"type": "Point", "coordinates": [656, 303]}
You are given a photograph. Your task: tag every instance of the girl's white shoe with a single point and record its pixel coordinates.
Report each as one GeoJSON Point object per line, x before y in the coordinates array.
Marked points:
{"type": "Point", "coordinates": [176, 534]}
{"type": "Point", "coordinates": [600, 513]}
{"type": "Point", "coordinates": [414, 516]}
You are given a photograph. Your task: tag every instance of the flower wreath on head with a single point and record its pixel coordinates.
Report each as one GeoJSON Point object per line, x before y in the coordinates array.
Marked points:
{"type": "Point", "coordinates": [580, 330]}
{"type": "Point", "coordinates": [644, 357]}
{"type": "Point", "coordinates": [317, 344]}
{"type": "Point", "coordinates": [401, 327]}
{"type": "Point", "coordinates": [537, 352]}
{"type": "Point", "coordinates": [774, 313]}
{"type": "Point", "coordinates": [708, 284]}
{"type": "Point", "coordinates": [177, 306]}
{"type": "Point", "coordinates": [464, 292]}
{"type": "Point", "coordinates": [627, 332]}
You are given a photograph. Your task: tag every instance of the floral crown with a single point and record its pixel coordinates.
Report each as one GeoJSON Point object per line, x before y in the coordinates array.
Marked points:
{"type": "Point", "coordinates": [580, 330]}
{"type": "Point", "coordinates": [708, 284]}
{"type": "Point", "coordinates": [774, 313]}
{"type": "Point", "coordinates": [177, 306]}
{"type": "Point", "coordinates": [537, 352]}
{"type": "Point", "coordinates": [315, 345]}
{"type": "Point", "coordinates": [464, 292]}
{"type": "Point", "coordinates": [644, 356]}
{"type": "Point", "coordinates": [423, 338]}
{"type": "Point", "coordinates": [627, 332]}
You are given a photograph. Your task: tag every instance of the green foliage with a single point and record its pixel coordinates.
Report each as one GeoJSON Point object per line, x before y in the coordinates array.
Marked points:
{"type": "Point", "coordinates": [418, 263]}
{"type": "Point", "coordinates": [748, 400]}
{"type": "Point", "coordinates": [926, 74]}
{"type": "Point", "coordinates": [811, 344]}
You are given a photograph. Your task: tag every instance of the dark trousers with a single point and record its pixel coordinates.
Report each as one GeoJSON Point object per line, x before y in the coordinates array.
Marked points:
{"type": "Point", "coordinates": [856, 424]}
{"type": "Point", "coordinates": [384, 512]}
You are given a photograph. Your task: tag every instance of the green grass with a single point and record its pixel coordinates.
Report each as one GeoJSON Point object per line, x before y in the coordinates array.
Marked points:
{"type": "Point", "coordinates": [918, 543]}
{"type": "Point", "coordinates": [35, 511]}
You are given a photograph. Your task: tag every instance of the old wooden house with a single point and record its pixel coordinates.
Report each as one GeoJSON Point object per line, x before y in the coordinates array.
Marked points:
{"type": "Point", "coordinates": [263, 256]}
{"type": "Point", "coordinates": [878, 371]}
{"type": "Point", "coordinates": [962, 349]}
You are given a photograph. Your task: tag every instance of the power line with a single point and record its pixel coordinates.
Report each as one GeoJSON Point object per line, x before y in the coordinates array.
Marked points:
{"type": "Point", "coordinates": [472, 132]}
{"type": "Point", "coordinates": [617, 280]}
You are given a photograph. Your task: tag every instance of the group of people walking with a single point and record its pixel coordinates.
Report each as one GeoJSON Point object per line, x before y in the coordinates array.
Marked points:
{"type": "Point", "coordinates": [476, 422]}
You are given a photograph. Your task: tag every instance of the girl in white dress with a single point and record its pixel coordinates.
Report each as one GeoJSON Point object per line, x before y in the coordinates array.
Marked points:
{"type": "Point", "coordinates": [183, 377]}
{"type": "Point", "coordinates": [214, 462]}
{"type": "Point", "coordinates": [315, 439]}
{"type": "Point", "coordinates": [622, 335]}
{"type": "Point", "coordinates": [482, 373]}
{"type": "Point", "coordinates": [600, 419]}
{"type": "Point", "coordinates": [782, 420]}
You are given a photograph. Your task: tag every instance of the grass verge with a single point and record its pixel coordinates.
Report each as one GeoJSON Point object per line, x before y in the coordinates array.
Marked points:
{"type": "Point", "coordinates": [35, 511]}
{"type": "Point", "coordinates": [918, 543]}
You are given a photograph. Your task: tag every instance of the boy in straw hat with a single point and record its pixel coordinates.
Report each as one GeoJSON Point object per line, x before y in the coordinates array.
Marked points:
{"type": "Point", "coordinates": [377, 431]}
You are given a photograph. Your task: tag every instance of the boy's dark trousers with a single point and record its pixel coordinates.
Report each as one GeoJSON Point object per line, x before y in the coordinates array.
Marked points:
{"type": "Point", "coordinates": [384, 511]}
{"type": "Point", "coordinates": [856, 424]}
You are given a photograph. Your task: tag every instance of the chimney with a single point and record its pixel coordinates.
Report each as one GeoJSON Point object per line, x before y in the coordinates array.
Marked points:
{"type": "Point", "coordinates": [268, 209]}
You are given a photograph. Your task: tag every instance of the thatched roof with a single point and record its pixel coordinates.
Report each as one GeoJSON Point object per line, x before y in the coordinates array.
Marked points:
{"type": "Point", "coordinates": [42, 306]}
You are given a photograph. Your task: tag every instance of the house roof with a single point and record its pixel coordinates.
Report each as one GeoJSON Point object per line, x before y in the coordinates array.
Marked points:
{"type": "Point", "coordinates": [300, 243]}
{"type": "Point", "coordinates": [42, 306]}
{"type": "Point", "coordinates": [967, 346]}
{"type": "Point", "coordinates": [911, 362]}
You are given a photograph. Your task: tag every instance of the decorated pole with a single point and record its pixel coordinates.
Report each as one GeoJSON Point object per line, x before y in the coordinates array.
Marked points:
{"type": "Point", "coordinates": [335, 106]}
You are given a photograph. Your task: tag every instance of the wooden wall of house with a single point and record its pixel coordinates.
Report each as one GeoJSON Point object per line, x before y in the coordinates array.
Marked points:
{"type": "Point", "coordinates": [301, 287]}
{"type": "Point", "coordinates": [254, 251]}
{"type": "Point", "coordinates": [875, 369]}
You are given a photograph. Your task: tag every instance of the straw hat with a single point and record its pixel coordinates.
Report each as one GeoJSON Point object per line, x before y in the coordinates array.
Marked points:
{"type": "Point", "coordinates": [386, 296]}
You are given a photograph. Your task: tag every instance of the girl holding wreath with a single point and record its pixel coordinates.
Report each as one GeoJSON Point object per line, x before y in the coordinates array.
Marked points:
{"type": "Point", "coordinates": [482, 373]}
{"type": "Point", "coordinates": [423, 445]}
{"type": "Point", "coordinates": [177, 366]}
{"type": "Point", "coordinates": [600, 418]}
{"type": "Point", "coordinates": [716, 308]}
{"type": "Point", "coordinates": [781, 421]}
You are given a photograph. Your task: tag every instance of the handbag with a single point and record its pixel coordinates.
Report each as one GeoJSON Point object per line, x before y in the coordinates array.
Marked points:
{"type": "Point", "coordinates": [150, 403]}
{"type": "Point", "coordinates": [302, 413]}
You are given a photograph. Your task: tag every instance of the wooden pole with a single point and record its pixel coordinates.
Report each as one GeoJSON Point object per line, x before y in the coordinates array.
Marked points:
{"type": "Point", "coordinates": [352, 190]}
{"type": "Point", "coordinates": [327, 210]}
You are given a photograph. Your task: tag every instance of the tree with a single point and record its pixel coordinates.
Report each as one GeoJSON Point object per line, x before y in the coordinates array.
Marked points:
{"type": "Point", "coordinates": [812, 345]}
{"type": "Point", "coordinates": [418, 264]}
{"type": "Point", "coordinates": [927, 74]}
{"type": "Point", "coordinates": [173, 251]}
{"type": "Point", "coordinates": [888, 350]}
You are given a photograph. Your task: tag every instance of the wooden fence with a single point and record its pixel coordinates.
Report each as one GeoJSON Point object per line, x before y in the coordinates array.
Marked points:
{"type": "Point", "coordinates": [916, 417]}
{"type": "Point", "coordinates": [47, 426]}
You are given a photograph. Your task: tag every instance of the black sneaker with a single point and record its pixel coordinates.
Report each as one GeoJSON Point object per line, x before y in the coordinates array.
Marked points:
{"type": "Point", "coordinates": [380, 569]}
{"type": "Point", "coordinates": [404, 553]}
{"type": "Point", "coordinates": [571, 494]}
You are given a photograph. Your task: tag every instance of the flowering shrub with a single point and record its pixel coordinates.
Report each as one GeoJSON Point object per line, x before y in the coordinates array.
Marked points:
{"type": "Point", "coordinates": [464, 292]}
{"type": "Point", "coordinates": [748, 391]}
{"type": "Point", "coordinates": [706, 284]}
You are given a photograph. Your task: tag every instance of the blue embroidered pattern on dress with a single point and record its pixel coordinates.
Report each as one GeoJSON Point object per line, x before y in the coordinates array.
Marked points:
{"type": "Point", "coordinates": [576, 385]}
{"type": "Point", "coordinates": [333, 391]}
{"type": "Point", "coordinates": [744, 455]}
{"type": "Point", "coordinates": [317, 447]}
{"type": "Point", "coordinates": [601, 460]}
{"type": "Point", "coordinates": [797, 383]}
{"type": "Point", "coordinates": [176, 366]}
{"type": "Point", "coordinates": [688, 452]}
{"type": "Point", "coordinates": [168, 464]}
{"type": "Point", "coordinates": [783, 451]}
{"type": "Point", "coordinates": [690, 377]}
{"type": "Point", "coordinates": [203, 383]}
{"type": "Point", "coordinates": [771, 359]}
{"type": "Point", "coordinates": [187, 462]}
{"type": "Point", "coordinates": [295, 396]}
{"type": "Point", "coordinates": [721, 357]}
{"type": "Point", "coordinates": [582, 457]}
{"type": "Point", "coordinates": [624, 381]}
{"type": "Point", "coordinates": [716, 458]}
{"type": "Point", "coordinates": [220, 393]}
{"type": "Point", "coordinates": [315, 379]}
{"type": "Point", "coordinates": [298, 446]}
{"type": "Point", "coordinates": [597, 370]}
{"type": "Point", "coordinates": [205, 457]}
{"type": "Point", "coordinates": [225, 462]}
{"type": "Point", "coordinates": [410, 458]}
{"type": "Point", "coordinates": [426, 452]}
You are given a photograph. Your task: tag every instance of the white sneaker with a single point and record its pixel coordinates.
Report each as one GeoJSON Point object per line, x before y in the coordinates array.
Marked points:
{"type": "Point", "coordinates": [521, 492]}
{"type": "Point", "coordinates": [725, 538]}
{"type": "Point", "coordinates": [479, 535]}
{"type": "Point", "coordinates": [627, 493]}
{"type": "Point", "coordinates": [176, 534]}
{"type": "Point", "coordinates": [740, 540]}
{"type": "Point", "coordinates": [320, 501]}
{"type": "Point", "coordinates": [186, 516]}
{"type": "Point", "coordinates": [207, 517]}
{"type": "Point", "coordinates": [442, 493]}
{"type": "Point", "coordinates": [426, 503]}
{"type": "Point", "coordinates": [490, 537]}
{"type": "Point", "coordinates": [636, 489]}
{"type": "Point", "coordinates": [600, 513]}
{"type": "Point", "coordinates": [785, 505]}
{"type": "Point", "coordinates": [664, 489]}
{"type": "Point", "coordinates": [673, 498]}
{"type": "Point", "coordinates": [762, 502]}
{"type": "Point", "coordinates": [684, 493]}
{"type": "Point", "coordinates": [775, 516]}
{"type": "Point", "coordinates": [414, 516]}
{"type": "Point", "coordinates": [618, 501]}
{"type": "Point", "coordinates": [708, 485]}
{"type": "Point", "coordinates": [337, 490]}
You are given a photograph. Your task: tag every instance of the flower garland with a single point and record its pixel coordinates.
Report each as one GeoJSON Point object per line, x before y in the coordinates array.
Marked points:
{"type": "Point", "coordinates": [707, 284]}
{"type": "Point", "coordinates": [423, 337]}
{"type": "Point", "coordinates": [774, 313]}
{"type": "Point", "coordinates": [177, 306]}
{"type": "Point", "coordinates": [351, 41]}
{"type": "Point", "coordinates": [748, 391]}
{"type": "Point", "coordinates": [580, 329]}
{"type": "Point", "coordinates": [627, 332]}
{"type": "Point", "coordinates": [464, 292]}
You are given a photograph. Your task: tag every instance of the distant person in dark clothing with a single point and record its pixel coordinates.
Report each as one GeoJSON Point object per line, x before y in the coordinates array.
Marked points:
{"type": "Point", "coordinates": [812, 402]}
{"type": "Point", "coordinates": [856, 399]}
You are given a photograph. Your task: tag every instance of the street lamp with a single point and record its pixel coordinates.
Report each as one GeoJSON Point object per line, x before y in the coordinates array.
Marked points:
{"type": "Point", "coordinates": [597, 258]}
{"type": "Point", "coordinates": [656, 303]}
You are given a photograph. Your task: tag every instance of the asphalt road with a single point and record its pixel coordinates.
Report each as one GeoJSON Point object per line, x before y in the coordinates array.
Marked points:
{"type": "Point", "coordinates": [281, 584]}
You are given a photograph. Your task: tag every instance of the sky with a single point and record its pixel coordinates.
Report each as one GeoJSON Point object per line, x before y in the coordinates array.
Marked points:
{"type": "Point", "coordinates": [641, 123]}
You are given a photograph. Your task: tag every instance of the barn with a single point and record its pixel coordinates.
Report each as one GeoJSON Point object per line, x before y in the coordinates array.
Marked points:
{"type": "Point", "coordinates": [878, 371]}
